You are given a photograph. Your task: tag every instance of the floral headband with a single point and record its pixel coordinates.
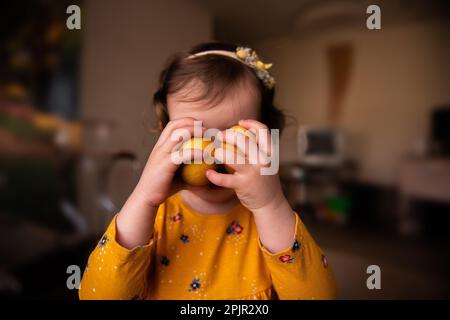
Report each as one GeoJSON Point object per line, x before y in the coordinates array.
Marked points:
{"type": "Point", "coordinates": [248, 57]}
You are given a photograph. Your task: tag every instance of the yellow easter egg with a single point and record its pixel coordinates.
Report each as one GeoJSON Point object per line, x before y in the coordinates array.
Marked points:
{"type": "Point", "coordinates": [228, 147]}
{"type": "Point", "coordinates": [244, 131]}
{"type": "Point", "coordinates": [194, 174]}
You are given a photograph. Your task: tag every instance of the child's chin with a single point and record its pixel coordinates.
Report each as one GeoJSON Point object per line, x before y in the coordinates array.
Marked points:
{"type": "Point", "coordinates": [212, 192]}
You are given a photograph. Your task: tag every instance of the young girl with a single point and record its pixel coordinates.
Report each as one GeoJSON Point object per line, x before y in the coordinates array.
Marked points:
{"type": "Point", "coordinates": [236, 238]}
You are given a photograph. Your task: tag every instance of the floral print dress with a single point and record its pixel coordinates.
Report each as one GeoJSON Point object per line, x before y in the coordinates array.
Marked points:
{"type": "Point", "coordinates": [206, 256]}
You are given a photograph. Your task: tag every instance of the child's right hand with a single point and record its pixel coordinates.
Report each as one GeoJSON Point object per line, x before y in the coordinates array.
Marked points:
{"type": "Point", "coordinates": [134, 222]}
{"type": "Point", "coordinates": [157, 181]}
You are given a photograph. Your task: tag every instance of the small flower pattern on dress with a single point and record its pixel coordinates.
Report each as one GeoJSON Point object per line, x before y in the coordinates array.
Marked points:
{"type": "Point", "coordinates": [295, 246]}
{"type": "Point", "coordinates": [184, 238]}
{"type": "Point", "coordinates": [103, 241]}
{"type": "Point", "coordinates": [177, 217]}
{"type": "Point", "coordinates": [164, 261]}
{"type": "Point", "coordinates": [195, 284]}
{"type": "Point", "coordinates": [235, 228]}
{"type": "Point", "coordinates": [287, 258]}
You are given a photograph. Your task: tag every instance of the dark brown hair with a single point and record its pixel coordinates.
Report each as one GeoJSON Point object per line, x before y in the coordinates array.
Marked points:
{"type": "Point", "coordinates": [218, 74]}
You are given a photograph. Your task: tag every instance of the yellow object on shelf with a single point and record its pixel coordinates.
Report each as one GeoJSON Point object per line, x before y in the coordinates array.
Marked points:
{"type": "Point", "coordinates": [14, 91]}
{"type": "Point", "coordinates": [67, 134]}
{"type": "Point", "coordinates": [47, 122]}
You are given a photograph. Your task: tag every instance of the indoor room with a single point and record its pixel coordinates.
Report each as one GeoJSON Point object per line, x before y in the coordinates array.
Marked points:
{"type": "Point", "coordinates": [364, 158]}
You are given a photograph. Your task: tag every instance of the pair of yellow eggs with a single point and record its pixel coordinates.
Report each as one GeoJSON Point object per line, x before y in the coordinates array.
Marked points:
{"type": "Point", "coordinates": [194, 174]}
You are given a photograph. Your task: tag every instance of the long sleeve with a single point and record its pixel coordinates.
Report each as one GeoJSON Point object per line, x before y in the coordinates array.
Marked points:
{"type": "Point", "coordinates": [301, 271]}
{"type": "Point", "coordinates": [114, 272]}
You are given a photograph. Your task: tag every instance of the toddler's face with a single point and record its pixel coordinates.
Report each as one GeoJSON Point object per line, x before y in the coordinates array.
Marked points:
{"type": "Point", "coordinates": [241, 102]}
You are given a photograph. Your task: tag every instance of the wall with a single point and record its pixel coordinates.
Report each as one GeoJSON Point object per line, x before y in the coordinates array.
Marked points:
{"type": "Point", "coordinates": [399, 74]}
{"type": "Point", "coordinates": [125, 45]}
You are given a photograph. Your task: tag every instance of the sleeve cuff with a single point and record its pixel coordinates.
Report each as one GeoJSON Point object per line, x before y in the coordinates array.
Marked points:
{"type": "Point", "coordinates": [109, 242]}
{"type": "Point", "coordinates": [287, 255]}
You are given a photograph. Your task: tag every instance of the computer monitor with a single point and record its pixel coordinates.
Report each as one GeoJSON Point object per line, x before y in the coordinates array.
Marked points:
{"type": "Point", "coordinates": [322, 146]}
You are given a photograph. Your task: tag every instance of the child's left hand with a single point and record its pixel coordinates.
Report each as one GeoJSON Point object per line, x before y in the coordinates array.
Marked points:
{"type": "Point", "coordinates": [254, 190]}
{"type": "Point", "coordinates": [261, 194]}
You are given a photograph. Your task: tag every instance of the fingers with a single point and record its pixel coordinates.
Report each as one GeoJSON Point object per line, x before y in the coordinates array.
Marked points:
{"type": "Point", "coordinates": [228, 156]}
{"type": "Point", "coordinates": [262, 133]}
{"type": "Point", "coordinates": [180, 136]}
{"type": "Point", "coordinates": [245, 147]}
{"type": "Point", "coordinates": [224, 180]}
{"type": "Point", "coordinates": [187, 156]}
{"type": "Point", "coordinates": [252, 124]}
{"type": "Point", "coordinates": [179, 128]}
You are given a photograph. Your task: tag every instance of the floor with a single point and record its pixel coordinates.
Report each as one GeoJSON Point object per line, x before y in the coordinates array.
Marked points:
{"type": "Point", "coordinates": [411, 268]}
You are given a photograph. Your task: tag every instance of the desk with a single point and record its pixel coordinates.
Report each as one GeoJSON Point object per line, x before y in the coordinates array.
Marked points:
{"type": "Point", "coordinates": [308, 188]}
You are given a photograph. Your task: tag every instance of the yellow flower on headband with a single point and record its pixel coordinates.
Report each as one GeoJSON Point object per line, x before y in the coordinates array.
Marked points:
{"type": "Point", "coordinates": [262, 65]}
{"type": "Point", "coordinates": [250, 58]}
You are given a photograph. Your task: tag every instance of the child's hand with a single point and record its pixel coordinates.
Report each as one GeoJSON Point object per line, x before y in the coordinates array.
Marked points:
{"type": "Point", "coordinates": [254, 190]}
{"type": "Point", "coordinates": [135, 221]}
{"type": "Point", "coordinates": [157, 181]}
{"type": "Point", "coordinates": [261, 194]}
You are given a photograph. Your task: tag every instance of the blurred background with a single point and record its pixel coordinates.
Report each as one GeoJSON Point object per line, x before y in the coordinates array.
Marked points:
{"type": "Point", "coordinates": [365, 158]}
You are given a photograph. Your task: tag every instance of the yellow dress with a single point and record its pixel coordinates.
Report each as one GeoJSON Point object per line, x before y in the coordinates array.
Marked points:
{"type": "Point", "coordinates": [206, 256]}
